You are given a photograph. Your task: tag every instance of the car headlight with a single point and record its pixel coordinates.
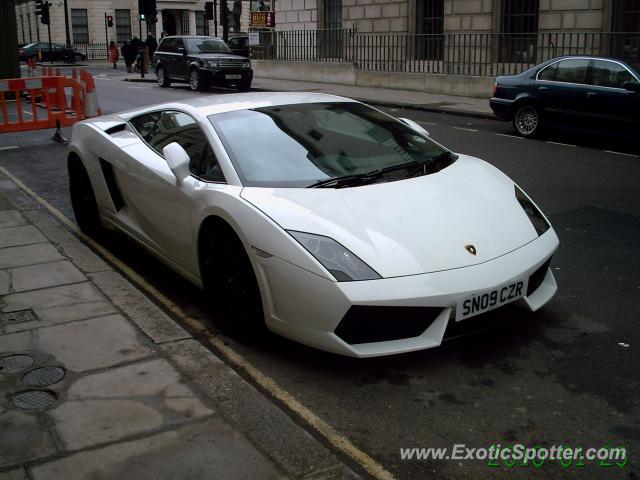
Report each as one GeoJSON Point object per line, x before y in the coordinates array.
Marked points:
{"type": "Point", "coordinates": [535, 215]}
{"type": "Point", "coordinates": [246, 64]}
{"type": "Point", "coordinates": [342, 264]}
{"type": "Point", "coordinates": [211, 63]}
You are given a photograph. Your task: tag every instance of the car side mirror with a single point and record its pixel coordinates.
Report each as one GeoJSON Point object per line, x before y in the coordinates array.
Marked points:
{"type": "Point", "coordinates": [178, 160]}
{"type": "Point", "coordinates": [182, 50]}
{"type": "Point", "coordinates": [415, 126]}
{"type": "Point", "coordinates": [632, 86]}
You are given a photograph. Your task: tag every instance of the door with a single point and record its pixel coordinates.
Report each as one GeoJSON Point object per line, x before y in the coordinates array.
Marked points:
{"type": "Point", "coordinates": [157, 209]}
{"type": "Point", "coordinates": [563, 90]}
{"type": "Point", "coordinates": [608, 102]}
{"type": "Point", "coordinates": [180, 61]}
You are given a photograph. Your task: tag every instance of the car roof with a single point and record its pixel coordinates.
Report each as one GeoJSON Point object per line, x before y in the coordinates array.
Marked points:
{"type": "Point", "coordinates": [206, 105]}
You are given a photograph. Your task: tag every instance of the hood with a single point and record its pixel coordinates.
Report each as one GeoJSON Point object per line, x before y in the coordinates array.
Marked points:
{"type": "Point", "coordinates": [412, 226]}
{"type": "Point", "coordinates": [217, 56]}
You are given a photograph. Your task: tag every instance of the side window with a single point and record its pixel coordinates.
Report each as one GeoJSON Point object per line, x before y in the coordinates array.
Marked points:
{"type": "Point", "coordinates": [572, 71]}
{"type": "Point", "coordinates": [146, 125]}
{"type": "Point", "coordinates": [183, 129]}
{"type": "Point", "coordinates": [177, 43]}
{"type": "Point", "coordinates": [233, 43]}
{"type": "Point", "coordinates": [549, 73]}
{"type": "Point", "coordinates": [609, 74]}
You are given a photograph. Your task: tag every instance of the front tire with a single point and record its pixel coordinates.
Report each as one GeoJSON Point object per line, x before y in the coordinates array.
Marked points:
{"type": "Point", "coordinates": [229, 278]}
{"type": "Point", "coordinates": [163, 78]}
{"type": "Point", "coordinates": [83, 199]}
{"type": "Point", "coordinates": [196, 82]}
{"type": "Point", "coordinates": [244, 86]}
{"type": "Point", "coordinates": [527, 120]}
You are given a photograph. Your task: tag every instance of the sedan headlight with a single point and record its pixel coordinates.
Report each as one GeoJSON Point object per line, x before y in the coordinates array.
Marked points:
{"type": "Point", "coordinates": [342, 264]}
{"type": "Point", "coordinates": [535, 216]}
{"type": "Point", "coordinates": [211, 63]}
{"type": "Point", "coordinates": [246, 64]}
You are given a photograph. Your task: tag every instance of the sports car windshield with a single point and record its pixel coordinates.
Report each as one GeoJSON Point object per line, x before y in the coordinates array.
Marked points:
{"type": "Point", "coordinates": [310, 144]}
{"type": "Point", "coordinates": [206, 45]}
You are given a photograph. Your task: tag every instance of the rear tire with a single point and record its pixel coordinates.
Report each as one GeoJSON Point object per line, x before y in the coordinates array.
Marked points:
{"type": "Point", "coordinates": [163, 78]}
{"type": "Point", "coordinates": [527, 120]}
{"type": "Point", "coordinates": [229, 278]}
{"type": "Point", "coordinates": [83, 199]}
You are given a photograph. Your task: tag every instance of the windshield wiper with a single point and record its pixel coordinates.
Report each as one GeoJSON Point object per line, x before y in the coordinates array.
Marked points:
{"type": "Point", "coordinates": [434, 164]}
{"type": "Point", "coordinates": [346, 180]}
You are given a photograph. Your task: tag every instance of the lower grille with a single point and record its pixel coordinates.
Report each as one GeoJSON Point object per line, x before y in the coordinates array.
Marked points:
{"type": "Point", "coordinates": [536, 278]}
{"type": "Point", "coordinates": [367, 324]}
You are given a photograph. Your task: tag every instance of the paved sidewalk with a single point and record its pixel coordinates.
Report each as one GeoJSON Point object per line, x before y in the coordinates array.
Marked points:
{"type": "Point", "coordinates": [96, 382]}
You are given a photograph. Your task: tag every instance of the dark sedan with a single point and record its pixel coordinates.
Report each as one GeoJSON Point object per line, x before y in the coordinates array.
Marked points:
{"type": "Point", "coordinates": [586, 92]}
{"type": "Point", "coordinates": [200, 62]}
{"type": "Point", "coordinates": [50, 52]}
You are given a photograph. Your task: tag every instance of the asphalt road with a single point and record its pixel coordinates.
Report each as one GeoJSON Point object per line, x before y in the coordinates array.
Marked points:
{"type": "Point", "coordinates": [567, 374]}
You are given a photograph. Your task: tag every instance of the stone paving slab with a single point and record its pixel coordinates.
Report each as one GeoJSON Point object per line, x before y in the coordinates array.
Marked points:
{"type": "Point", "coordinates": [24, 439]}
{"type": "Point", "coordinates": [32, 277]}
{"type": "Point", "coordinates": [144, 313]}
{"type": "Point", "coordinates": [11, 218]}
{"type": "Point", "coordinates": [28, 255]}
{"type": "Point", "coordinates": [214, 450]}
{"type": "Point", "coordinates": [23, 235]}
{"type": "Point", "coordinates": [113, 341]}
{"type": "Point", "coordinates": [17, 474]}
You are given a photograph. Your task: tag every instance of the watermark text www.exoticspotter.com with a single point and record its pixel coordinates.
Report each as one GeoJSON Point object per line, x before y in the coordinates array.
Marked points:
{"type": "Point", "coordinates": [520, 455]}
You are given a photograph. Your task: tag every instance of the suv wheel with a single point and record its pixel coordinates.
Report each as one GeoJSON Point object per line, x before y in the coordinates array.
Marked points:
{"type": "Point", "coordinates": [244, 86]}
{"type": "Point", "coordinates": [196, 81]}
{"type": "Point", "coordinates": [163, 78]}
{"type": "Point", "coordinates": [527, 120]}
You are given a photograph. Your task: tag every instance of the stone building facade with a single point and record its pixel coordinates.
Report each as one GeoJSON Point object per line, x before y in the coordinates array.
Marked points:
{"type": "Point", "coordinates": [446, 16]}
{"type": "Point", "coordinates": [87, 20]}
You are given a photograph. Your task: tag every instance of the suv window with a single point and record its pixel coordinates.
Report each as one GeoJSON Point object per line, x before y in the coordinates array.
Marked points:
{"type": "Point", "coordinates": [176, 44]}
{"type": "Point", "coordinates": [609, 74]}
{"type": "Point", "coordinates": [159, 130]}
{"type": "Point", "coordinates": [165, 45]}
{"type": "Point", "coordinates": [573, 70]}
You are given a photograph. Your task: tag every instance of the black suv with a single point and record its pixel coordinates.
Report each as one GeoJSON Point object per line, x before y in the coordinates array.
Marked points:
{"type": "Point", "coordinates": [200, 62]}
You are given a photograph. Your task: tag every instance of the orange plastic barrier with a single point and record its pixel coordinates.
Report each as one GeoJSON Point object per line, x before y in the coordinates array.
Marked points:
{"type": "Point", "coordinates": [58, 110]}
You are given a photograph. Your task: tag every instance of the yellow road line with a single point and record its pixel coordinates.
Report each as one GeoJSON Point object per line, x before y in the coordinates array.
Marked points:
{"type": "Point", "coordinates": [336, 439]}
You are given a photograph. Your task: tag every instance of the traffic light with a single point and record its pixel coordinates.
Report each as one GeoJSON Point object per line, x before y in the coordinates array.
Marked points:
{"type": "Point", "coordinates": [44, 15]}
{"type": "Point", "coordinates": [109, 21]}
{"type": "Point", "coordinates": [148, 9]}
{"type": "Point", "coordinates": [38, 7]}
{"type": "Point", "coordinates": [208, 10]}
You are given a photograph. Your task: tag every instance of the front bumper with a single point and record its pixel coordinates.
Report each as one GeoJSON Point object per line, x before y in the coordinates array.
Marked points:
{"type": "Point", "coordinates": [308, 308]}
{"type": "Point", "coordinates": [502, 107]}
{"type": "Point", "coordinates": [218, 76]}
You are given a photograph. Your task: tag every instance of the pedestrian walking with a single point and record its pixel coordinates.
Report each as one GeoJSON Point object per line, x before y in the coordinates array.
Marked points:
{"type": "Point", "coordinates": [135, 52]}
{"type": "Point", "coordinates": [113, 54]}
{"type": "Point", "coordinates": [127, 55]}
{"type": "Point", "coordinates": [152, 45]}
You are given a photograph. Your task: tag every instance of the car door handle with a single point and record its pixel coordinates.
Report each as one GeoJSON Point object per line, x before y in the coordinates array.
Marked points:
{"type": "Point", "coordinates": [542, 88]}
{"type": "Point", "coordinates": [591, 94]}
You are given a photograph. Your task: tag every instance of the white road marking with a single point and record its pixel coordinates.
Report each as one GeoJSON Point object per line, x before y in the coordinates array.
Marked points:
{"type": "Point", "coordinates": [12, 147]}
{"type": "Point", "coordinates": [427, 123]}
{"type": "Point", "coordinates": [466, 129]}
{"type": "Point", "coordinates": [337, 440]}
{"type": "Point", "coordinates": [563, 144]}
{"type": "Point", "coordinates": [621, 153]}
{"type": "Point", "coordinates": [510, 136]}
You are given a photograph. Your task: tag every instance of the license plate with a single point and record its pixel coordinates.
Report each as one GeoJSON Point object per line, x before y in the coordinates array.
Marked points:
{"type": "Point", "coordinates": [485, 301]}
{"type": "Point", "coordinates": [233, 77]}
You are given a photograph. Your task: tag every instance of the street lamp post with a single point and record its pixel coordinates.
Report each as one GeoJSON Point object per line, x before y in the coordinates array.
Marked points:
{"type": "Point", "coordinates": [66, 24]}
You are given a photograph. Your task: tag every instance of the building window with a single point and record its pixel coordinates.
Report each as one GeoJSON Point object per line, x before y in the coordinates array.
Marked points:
{"type": "Point", "coordinates": [24, 37]}
{"type": "Point", "coordinates": [430, 29]}
{"type": "Point", "coordinates": [123, 25]}
{"type": "Point", "coordinates": [332, 14]}
{"type": "Point", "coordinates": [184, 17]}
{"type": "Point", "coordinates": [79, 25]}
{"type": "Point", "coordinates": [626, 22]}
{"type": "Point", "coordinates": [519, 28]}
{"type": "Point", "coordinates": [201, 24]}
{"type": "Point", "coordinates": [29, 24]}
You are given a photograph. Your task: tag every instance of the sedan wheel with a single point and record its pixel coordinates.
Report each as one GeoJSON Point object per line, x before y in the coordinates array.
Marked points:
{"type": "Point", "coordinates": [527, 121]}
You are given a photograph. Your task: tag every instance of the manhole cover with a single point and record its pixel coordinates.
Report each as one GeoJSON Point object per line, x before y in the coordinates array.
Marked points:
{"type": "Point", "coordinates": [33, 399]}
{"type": "Point", "coordinates": [15, 363]}
{"type": "Point", "coordinates": [41, 377]}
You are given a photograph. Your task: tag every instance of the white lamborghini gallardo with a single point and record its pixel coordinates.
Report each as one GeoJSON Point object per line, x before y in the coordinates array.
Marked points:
{"type": "Point", "coordinates": [318, 217]}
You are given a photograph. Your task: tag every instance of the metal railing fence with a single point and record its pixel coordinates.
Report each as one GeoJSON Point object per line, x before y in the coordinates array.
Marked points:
{"type": "Point", "coordinates": [476, 54]}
